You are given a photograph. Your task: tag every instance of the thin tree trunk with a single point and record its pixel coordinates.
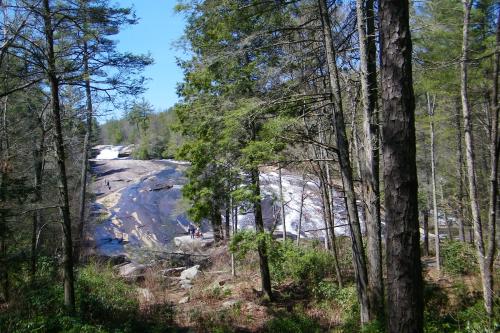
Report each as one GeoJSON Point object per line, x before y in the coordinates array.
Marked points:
{"type": "Point", "coordinates": [4, 166]}
{"type": "Point", "coordinates": [282, 203]}
{"type": "Point", "coordinates": [331, 219]}
{"type": "Point", "coordinates": [425, 214]}
{"type": "Point", "coordinates": [447, 221]}
{"type": "Point", "coordinates": [345, 166]}
{"type": "Point", "coordinates": [69, 291]}
{"type": "Point", "coordinates": [4, 272]}
{"type": "Point", "coordinates": [235, 230]}
{"type": "Point", "coordinates": [217, 223]}
{"type": "Point", "coordinates": [323, 187]}
{"type": "Point", "coordinates": [486, 272]}
{"type": "Point", "coordinates": [38, 154]}
{"type": "Point", "coordinates": [261, 247]}
{"type": "Point", "coordinates": [370, 165]}
{"type": "Point", "coordinates": [86, 153]}
{"type": "Point", "coordinates": [494, 156]}
{"type": "Point", "coordinates": [228, 218]}
{"type": "Point", "coordinates": [331, 228]}
{"type": "Point", "coordinates": [460, 159]}
{"type": "Point", "coordinates": [430, 110]}
{"type": "Point", "coordinates": [324, 204]}
{"type": "Point", "coordinates": [404, 272]}
{"type": "Point", "coordinates": [301, 211]}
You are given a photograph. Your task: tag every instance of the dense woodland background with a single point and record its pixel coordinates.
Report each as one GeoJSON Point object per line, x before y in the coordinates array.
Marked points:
{"type": "Point", "coordinates": [395, 103]}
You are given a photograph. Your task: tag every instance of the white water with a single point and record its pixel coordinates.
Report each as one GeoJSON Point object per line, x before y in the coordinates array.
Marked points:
{"type": "Point", "coordinates": [110, 153]}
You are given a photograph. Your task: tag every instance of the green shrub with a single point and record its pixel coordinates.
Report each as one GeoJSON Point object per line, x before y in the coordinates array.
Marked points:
{"type": "Point", "coordinates": [306, 266]}
{"type": "Point", "coordinates": [141, 153]}
{"type": "Point", "coordinates": [105, 303]}
{"type": "Point", "coordinates": [467, 313]}
{"type": "Point", "coordinates": [104, 298]}
{"type": "Point", "coordinates": [286, 323]}
{"type": "Point", "coordinates": [458, 257]}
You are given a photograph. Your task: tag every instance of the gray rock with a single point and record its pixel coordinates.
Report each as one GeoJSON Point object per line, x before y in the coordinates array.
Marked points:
{"type": "Point", "coordinates": [131, 269]}
{"type": "Point", "coordinates": [187, 244]}
{"type": "Point", "coordinates": [173, 271]}
{"type": "Point", "coordinates": [190, 273]}
{"type": "Point", "coordinates": [186, 284]}
{"type": "Point", "coordinates": [184, 300]}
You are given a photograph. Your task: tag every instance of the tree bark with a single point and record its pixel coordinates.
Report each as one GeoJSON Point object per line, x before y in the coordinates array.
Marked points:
{"type": "Point", "coordinates": [228, 210]}
{"type": "Point", "coordinates": [486, 272]}
{"type": "Point", "coordinates": [282, 203]}
{"type": "Point", "coordinates": [460, 174]}
{"type": "Point", "coordinates": [330, 225]}
{"type": "Point", "coordinates": [261, 247]}
{"type": "Point", "coordinates": [345, 166]}
{"type": "Point", "coordinates": [38, 157]}
{"type": "Point", "coordinates": [69, 291]}
{"type": "Point", "coordinates": [370, 166]}
{"type": "Point", "coordinates": [494, 156]}
{"type": "Point", "coordinates": [425, 214]}
{"type": "Point", "coordinates": [235, 230]}
{"type": "Point", "coordinates": [301, 211]}
{"type": "Point", "coordinates": [404, 272]}
{"type": "Point", "coordinates": [430, 110]}
{"type": "Point", "coordinates": [217, 223]}
{"type": "Point", "coordinates": [86, 153]}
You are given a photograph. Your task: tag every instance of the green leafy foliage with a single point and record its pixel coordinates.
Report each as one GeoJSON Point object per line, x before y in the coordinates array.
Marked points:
{"type": "Point", "coordinates": [456, 309]}
{"type": "Point", "coordinates": [104, 298]}
{"type": "Point", "coordinates": [458, 257]}
{"type": "Point", "coordinates": [285, 323]}
{"type": "Point", "coordinates": [305, 266]}
{"type": "Point", "coordinates": [105, 303]}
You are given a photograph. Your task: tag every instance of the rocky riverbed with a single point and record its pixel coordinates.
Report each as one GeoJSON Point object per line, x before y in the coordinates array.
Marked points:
{"type": "Point", "coordinates": [138, 206]}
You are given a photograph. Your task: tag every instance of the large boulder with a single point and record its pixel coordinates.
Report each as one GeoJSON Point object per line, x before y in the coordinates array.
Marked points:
{"type": "Point", "coordinates": [131, 270]}
{"type": "Point", "coordinates": [190, 273]}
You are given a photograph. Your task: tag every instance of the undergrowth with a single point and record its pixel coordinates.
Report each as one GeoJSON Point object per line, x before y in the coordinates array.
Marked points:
{"type": "Point", "coordinates": [104, 303]}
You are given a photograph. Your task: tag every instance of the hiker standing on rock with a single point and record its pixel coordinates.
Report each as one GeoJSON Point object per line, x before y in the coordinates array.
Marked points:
{"type": "Point", "coordinates": [191, 230]}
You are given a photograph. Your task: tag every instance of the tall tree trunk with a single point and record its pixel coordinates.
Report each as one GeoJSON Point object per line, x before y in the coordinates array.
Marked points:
{"type": "Point", "coordinates": [324, 187]}
{"type": "Point", "coordinates": [425, 214]}
{"type": "Point", "coordinates": [38, 157]}
{"type": "Point", "coordinates": [235, 230]}
{"type": "Point", "coordinates": [430, 110]}
{"type": "Point", "coordinates": [404, 272]}
{"type": "Point", "coordinates": [265, 274]}
{"type": "Point", "coordinates": [447, 221]}
{"type": "Point", "coordinates": [324, 204]}
{"type": "Point", "coordinates": [282, 203]}
{"type": "Point", "coordinates": [228, 210]}
{"type": "Point", "coordinates": [486, 272]}
{"type": "Point", "coordinates": [345, 166]}
{"type": "Point", "coordinates": [330, 218]}
{"type": "Point", "coordinates": [217, 223]}
{"type": "Point", "coordinates": [494, 156]}
{"type": "Point", "coordinates": [86, 153]}
{"type": "Point", "coordinates": [370, 165]}
{"type": "Point", "coordinates": [69, 290]}
{"type": "Point", "coordinates": [460, 174]}
{"type": "Point", "coordinates": [301, 210]}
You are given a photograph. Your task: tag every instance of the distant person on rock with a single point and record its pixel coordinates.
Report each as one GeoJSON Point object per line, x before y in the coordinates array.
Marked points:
{"type": "Point", "coordinates": [198, 233]}
{"type": "Point", "coordinates": [191, 230]}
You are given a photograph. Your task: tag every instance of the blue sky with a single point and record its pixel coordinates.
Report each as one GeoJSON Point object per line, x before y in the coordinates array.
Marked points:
{"type": "Point", "coordinates": [158, 28]}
